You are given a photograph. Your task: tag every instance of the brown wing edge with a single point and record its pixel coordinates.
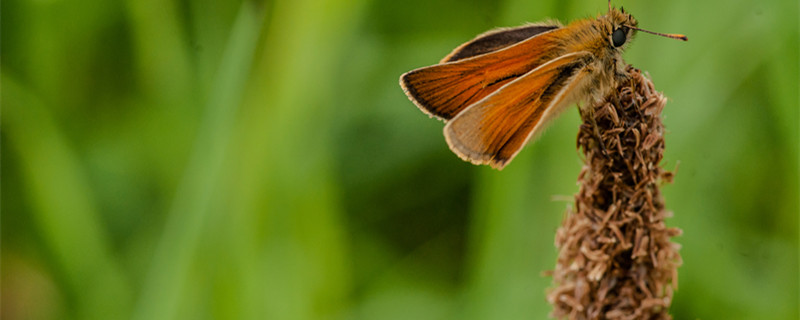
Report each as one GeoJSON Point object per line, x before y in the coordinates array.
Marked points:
{"type": "Point", "coordinates": [562, 98]}
{"type": "Point", "coordinates": [499, 38]}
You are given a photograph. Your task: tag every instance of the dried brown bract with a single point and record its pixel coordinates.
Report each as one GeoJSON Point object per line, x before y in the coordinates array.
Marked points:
{"type": "Point", "coordinates": [615, 259]}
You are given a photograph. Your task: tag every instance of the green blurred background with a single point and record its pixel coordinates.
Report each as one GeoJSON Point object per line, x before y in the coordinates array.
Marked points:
{"type": "Point", "coordinates": [258, 160]}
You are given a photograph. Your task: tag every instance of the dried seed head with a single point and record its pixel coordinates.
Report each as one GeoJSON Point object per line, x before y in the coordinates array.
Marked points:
{"type": "Point", "coordinates": [616, 260]}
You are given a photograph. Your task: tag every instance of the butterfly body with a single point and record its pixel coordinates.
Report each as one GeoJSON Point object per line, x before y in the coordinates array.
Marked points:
{"type": "Point", "coordinates": [498, 90]}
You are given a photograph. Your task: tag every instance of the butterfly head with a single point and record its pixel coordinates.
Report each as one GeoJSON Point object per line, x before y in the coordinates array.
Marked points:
{"type": "Point", "coordinates": [620, 26]}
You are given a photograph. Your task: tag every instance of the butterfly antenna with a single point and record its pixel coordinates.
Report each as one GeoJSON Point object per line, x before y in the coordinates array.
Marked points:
{"type": "Point", "coordinates": [668, 35]}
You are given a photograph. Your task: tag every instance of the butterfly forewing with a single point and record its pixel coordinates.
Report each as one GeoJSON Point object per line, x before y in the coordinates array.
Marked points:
{"type": "Point", "coordinates": [445, 90]}
{"type": "Point", "coordinates": [494, 129]}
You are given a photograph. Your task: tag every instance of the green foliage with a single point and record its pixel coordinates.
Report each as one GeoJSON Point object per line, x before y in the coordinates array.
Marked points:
{"type": "Point", "coordinates": [258, 160]}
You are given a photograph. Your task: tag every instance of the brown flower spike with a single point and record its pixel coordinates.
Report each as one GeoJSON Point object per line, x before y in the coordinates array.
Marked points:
{"type": "Point", "coordinates": [615, 259]}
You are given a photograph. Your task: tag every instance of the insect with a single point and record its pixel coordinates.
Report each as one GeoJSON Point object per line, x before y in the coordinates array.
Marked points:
{"type": "Point", "coordinates": [498, 90]}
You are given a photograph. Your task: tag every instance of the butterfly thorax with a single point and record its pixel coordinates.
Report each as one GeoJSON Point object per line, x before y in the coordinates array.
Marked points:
{"type": "Point", "coordinates": [595, 36]}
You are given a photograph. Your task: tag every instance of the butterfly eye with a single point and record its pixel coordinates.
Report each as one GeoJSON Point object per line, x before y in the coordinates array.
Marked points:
{"type": "Point", "coordinates": [618, 37]}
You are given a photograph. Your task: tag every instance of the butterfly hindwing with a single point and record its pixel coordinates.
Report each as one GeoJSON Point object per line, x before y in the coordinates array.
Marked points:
{"type": "Point", "coordinates": [494, 129]}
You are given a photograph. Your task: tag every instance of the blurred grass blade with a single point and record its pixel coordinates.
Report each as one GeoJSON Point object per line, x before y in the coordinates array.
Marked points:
{"type": "Point", "coordinates": [286, 179]}
{"type": "Point", "coordinates": [63, 205]}
{"type": "Point", "coordinates": [162, 60]}
{"type": "Point", "coordinates": [166, 279]}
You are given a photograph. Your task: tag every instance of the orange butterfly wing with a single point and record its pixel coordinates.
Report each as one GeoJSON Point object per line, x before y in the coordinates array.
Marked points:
{"type": "Point", "coordinates": [446, 89]}
{"type": "Point", "coordinates": [494, 129]}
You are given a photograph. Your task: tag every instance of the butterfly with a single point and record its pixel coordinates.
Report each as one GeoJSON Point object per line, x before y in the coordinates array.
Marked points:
{"type": "Point", "coordinates": [500, 89]}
